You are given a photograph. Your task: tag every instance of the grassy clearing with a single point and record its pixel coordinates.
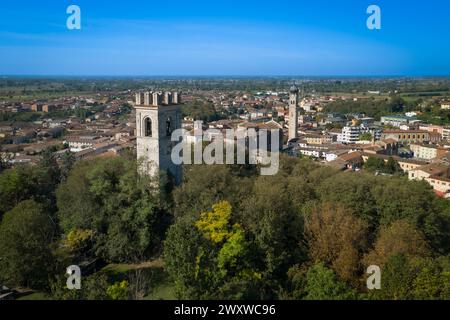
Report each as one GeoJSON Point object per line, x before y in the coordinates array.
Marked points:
{"type": "Point", "coordinates": [164, 291]}
{"type": "Point", "coordinates": [161, 287]}
{"type": "Point", "coordinates": [36, 296]}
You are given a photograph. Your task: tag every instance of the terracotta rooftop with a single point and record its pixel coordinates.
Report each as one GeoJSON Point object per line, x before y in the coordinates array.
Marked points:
{"type": "Point", "coordinates": [435, 169]}
{"type": "Point", "coordinates": [350, 156]}
{"type": "Point", "coordinates": [404, 131]}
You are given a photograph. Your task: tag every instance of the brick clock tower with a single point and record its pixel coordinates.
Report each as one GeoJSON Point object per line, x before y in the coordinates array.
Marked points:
{"type": "Point", "coordinates": [158, 114]}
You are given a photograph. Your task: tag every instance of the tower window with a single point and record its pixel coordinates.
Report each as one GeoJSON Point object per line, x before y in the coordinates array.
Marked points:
{"type": "Point", "coordinates": [169, 127]}
{"type": "Point", "coordinates": [148, 127]}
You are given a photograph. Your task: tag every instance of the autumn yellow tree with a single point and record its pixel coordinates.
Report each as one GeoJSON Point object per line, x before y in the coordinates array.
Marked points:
{"type": "Point", "coordinates": [229, 240]}
{"type": "Point", "coordinates": [214, 225]}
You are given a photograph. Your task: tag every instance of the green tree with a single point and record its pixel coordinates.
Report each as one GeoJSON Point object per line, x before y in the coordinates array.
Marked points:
{"type": "Point", "coordinates": [396, 104]}
{"type": "Point", "coordinates": [52, 176]}
{"type": "Point", "coordinates": [274, 224]}
{"type": "Point", "coordinates": [322, 284]}
{"type": "Point", "coordinates": [23, 183]}
{"type": "Point", "coordinates": [109, 198]}
{"type": "Point", "coordinates": [375, 164]}
{"type": "Point", "coordinates": [119, 291]}
{"type": "Point", "coordinates": [392, 166]}
{"type": "Point", "coordinates": [199, 110]}
{"type": "Point", "coordinates": [206, 185]}
{"type": "Point", "coordinates": [432, 280]}
{"type": "Point", "coordinates": [396, 279]}
{"type": "Point", "coordinates": [94, 287]}
{"type": "Point", "coordinates": [296, 284]}
{"type": "Point", "coordinates": [399, 199]}
{"type": "Point", "coordinates": [67, 163]}
{"type": "Point", "coordinates": [26, 235]}
{"type": "Point", "coordinates": [427, 284]}
{"type": "Point", "coordinates": [353, 191]}
{"type": "Point", "coordinates": [215, 261]}
{"type": "Point", "coordinates": [181, 248]}
{"type": "Point", "coordinates": [79, 243]}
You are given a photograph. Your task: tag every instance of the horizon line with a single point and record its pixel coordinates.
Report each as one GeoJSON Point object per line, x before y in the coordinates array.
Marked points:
{"type": "Point", "coordinates": [220, 76]}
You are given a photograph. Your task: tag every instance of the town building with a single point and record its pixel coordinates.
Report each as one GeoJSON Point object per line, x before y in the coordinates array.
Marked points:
{"type": "Point", "coordinates": [351, 134]}
{"type": "Point", "coordinates": [410, 164]}
{"type": "Point", "coordinates": [446, 134]}
{"type": "Point", "coordinates": [437, 175]}
{"type": "Point", "coordinates": [445, 105]}
{"type": "Point", "coordinates": [334, 119]}
{"type": "Point", "coordinates": [406, 136]}
{"type": "Point", "coordinates": [78, 143]}
{"type": "Point", "coordinates": [317, 139]}
{"type": "Point", "coordinates": [385, 147]}
{"type": "Point", "coordinates": [351, 161]}
{"type": "Point", "coordinates": [427, 151]}
{"type": "Point", "coordinates": [396, 121]}
{"type": "Point", "coordinates": [432, 128]}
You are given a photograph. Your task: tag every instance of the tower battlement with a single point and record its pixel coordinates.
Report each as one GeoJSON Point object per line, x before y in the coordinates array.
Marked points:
{"type": "Point", "coordinates": [158, 98]}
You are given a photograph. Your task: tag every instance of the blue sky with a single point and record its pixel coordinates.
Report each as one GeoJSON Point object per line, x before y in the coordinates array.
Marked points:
{"type": "Point", "coordinates": [224, 37]}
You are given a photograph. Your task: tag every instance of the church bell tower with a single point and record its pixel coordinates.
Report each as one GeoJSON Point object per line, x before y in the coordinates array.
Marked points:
{"type": "Point", "coordinates": [293, 112]}
{"type": "Point", "coordinates": [158, 114]}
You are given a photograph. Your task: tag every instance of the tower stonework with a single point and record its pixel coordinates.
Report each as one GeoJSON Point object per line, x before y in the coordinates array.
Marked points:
{"type": "Point", "coordinates": [293, 112]}
{"type": "Point", "coordinates": [155, 123]}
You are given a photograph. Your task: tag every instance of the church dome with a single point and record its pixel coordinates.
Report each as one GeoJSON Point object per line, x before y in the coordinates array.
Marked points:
{"type": "Point", "coordinates": [294, 89]}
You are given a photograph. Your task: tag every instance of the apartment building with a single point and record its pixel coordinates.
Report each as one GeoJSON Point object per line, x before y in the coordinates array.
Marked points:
{"type": "Point", "coordinates": [351, 134]}
{"type": "Point", "coordinates": [396, 121]}
{"type": "Point", "coordinates": [427, 151]}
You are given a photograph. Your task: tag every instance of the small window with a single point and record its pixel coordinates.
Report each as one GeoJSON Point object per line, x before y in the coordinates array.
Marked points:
{"type": "Point", "coordinates": [148, 127]}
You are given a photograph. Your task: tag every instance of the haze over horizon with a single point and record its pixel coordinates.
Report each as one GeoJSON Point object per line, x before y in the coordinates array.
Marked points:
{"type": "Point", "coordinates": [225, 38]}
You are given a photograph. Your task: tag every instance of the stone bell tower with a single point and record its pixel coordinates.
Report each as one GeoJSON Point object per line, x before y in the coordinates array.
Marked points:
{"type": "Point", "coordinates": [293, 112]}
{"type": "Point", "coordinates": [157, 116]}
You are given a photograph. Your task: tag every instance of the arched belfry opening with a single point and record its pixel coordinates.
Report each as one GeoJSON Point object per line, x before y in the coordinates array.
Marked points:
{"type": "Point", "coordinates": [148, 127]}
{"type": "Point", "coordinates": [169, 125]}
